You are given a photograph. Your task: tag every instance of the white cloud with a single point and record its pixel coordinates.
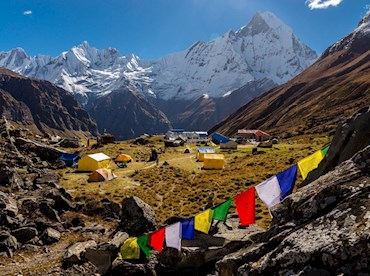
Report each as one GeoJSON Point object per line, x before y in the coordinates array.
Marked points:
{"type": "Point", "coordinates": [28, 12]}
{"type": "Point", "coordinates": [322, 4]}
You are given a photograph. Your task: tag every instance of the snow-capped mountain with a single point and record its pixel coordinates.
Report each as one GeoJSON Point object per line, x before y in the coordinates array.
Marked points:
{"type": "Point", "coordinates": [264, 48]}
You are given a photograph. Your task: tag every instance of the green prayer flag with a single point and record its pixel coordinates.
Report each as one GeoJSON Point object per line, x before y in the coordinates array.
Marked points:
{"type": "Point", "coordinates": [325, 149]}
{"type": "Point", "coordinates": [142, 241]}
{"type": "Point", "coordinates": [220, 212]}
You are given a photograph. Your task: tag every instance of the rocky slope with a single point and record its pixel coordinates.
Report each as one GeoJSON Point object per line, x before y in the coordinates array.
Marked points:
{"type": "Point", "coordinates": [264, 51]}
{"type": "Point", "coordinates": [42, 106]}
{"type": "Point", "coordinates": [127, 114]}
{"type": "Point", "coordinates": [322, 228]}
{"type": "Point", "coordinates": [318, 98]}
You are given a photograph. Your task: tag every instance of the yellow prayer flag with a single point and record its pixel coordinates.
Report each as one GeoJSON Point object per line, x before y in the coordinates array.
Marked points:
{"type": "Point", "coordinates": [130, 249]}
{"type": "Point", "coordinates": [309, 163]}
{"type": "Point", "coordinates": [203, 221]}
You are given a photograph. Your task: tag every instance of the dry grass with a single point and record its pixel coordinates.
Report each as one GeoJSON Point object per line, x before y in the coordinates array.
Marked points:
{"type": "Point", "coordinates": [182, 188]}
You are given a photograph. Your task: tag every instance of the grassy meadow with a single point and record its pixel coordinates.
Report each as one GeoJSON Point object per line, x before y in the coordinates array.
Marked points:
{"type": "Point", "coordinates": [180, 187]}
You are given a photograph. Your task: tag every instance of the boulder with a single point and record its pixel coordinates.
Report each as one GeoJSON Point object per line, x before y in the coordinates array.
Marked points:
{"type": "Point", "coordinates": [8, 243]}
{"type": "Point", "coordinates": [121, 267]}
{"type": "Point", "coordinates": [75, 253]}
{"type": "Point", "coordinates": [115, 244]}
{"type": "Point", "coordinates": [47, 209]}
{"type": "Point", "coordinates": [8, 205]}
{"type": "Point", "coordinates": [25, 234]}
{"type": "Point", "coordinates": [50, 236]}
{"type": "Point", "coordinates": [350, 137]}
{"type": "Point", "coordinates": [137, 217]}
{"type": "Point", "coordinates": [101, 258]}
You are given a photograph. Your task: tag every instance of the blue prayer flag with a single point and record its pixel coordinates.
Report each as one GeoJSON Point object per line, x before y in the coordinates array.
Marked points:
{"type": "Point", "coordinates": [188, 228]}
{"type": "Point", "coordinates": [286, 181]}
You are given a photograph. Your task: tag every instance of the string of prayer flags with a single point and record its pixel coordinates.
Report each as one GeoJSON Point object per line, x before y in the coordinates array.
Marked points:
{"type": "Point", "coordinates": [130, 249]}
{"type": "Point", "coordinates": [157, 239]}
{"type": "Point", "coordinates": [245, 206]}
{"type": "Point", "coordinates": [310, 163]}
{"type": "Point", "coordinates": [287, 180]}
{"type": "Point", "coordinates": [187, 226]}
{"type": "Point", "coordinates": [220, 212]}
{"type": "Point", "coordinates": [142, 241]}
{"type": "Point", "coordinates": [173, 236]}
{"type": "Point", "coordinates": [203, 221]}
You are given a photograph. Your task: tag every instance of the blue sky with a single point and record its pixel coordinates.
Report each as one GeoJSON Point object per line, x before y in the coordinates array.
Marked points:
{"type": "Point", "coordinates": [153, 28]}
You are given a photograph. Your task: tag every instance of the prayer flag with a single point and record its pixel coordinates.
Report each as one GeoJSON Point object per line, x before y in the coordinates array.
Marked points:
{"type": "Point", "coordinates": [325, 149]}
{"type": "Point", "coordinates": [310, 163]}
{"type": "Point", "coordinates": [203, 221]}
{"type": "Point", "coordinates": [269, 191]}
{"type": "Point", "coordinates": [173, 236]}
{"type": "Point", "coordinates": [142, 241]}
{"type": "Point", "coordinates": [220, 212]}
{"type": "Point", "coordinates": [245, 206]}
{"type": "Point", "coordinates": [188, 228]}
{"type": "Point", "coordinates": [130, 249]}
{"type": "Point", "coordinates": [287, 180]}
{"type": "Point", "coordinates": [157, 239]}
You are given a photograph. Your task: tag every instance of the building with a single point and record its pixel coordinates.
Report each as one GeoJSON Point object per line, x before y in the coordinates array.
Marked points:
{"type": "Point", "coordinates": [188, 136]}
{"type": "Point", "coordinates": [247, 135]}
{"type": "Point", "coordinates": [231, 145]}
{"type": "Point", "coordinates": [218, 138]}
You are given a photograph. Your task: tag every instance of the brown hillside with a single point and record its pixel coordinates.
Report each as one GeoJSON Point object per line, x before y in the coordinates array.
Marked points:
{"type": "Point", "coordinates": [42, 106]}
{"type": "Point", "coordinates": [331, 89]}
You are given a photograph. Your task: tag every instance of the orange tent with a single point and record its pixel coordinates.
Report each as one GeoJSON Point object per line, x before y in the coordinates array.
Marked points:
{"type": "Point", "coordinates": [101, 175]}
{"type": "Point", "coordinates": [124, 158]}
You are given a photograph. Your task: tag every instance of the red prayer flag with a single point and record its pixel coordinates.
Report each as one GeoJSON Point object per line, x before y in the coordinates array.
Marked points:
{"type": "Point", "coordinates": [157, 239]}
{"type": "Point", "coordinates": [245, 206]}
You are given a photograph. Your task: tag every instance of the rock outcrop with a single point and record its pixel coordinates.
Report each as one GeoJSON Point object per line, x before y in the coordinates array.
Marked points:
{"type": "Point", "coordinates": [350, 137]}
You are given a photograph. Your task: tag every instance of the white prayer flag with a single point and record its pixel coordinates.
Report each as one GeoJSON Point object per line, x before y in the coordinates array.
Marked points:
{"type": "Point", "coordinates": [173, 236]}
{"type": "Point", "coordinates": [269, 191]}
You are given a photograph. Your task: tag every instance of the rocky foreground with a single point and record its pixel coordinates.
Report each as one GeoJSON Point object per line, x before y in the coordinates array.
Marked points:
{"type": "Point", "coordinates": [321, 229]}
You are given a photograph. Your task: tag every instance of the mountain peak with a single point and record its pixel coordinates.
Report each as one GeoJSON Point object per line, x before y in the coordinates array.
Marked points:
{"type": "Point", "coordinates": [262, 23]}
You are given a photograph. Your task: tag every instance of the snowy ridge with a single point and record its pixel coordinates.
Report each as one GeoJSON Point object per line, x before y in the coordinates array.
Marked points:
{"type": "Point", "coordinates": [264, 48]}
{"type": "Point", "coordinates": [361, 32]}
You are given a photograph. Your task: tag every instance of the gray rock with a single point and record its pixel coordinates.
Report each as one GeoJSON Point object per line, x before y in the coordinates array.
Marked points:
{"type": "Point", "coordinates": [8, 243]}
{"type": "Point", "coordinates": [102, 259]}
{"type": "Point", "coordinates": [47, 210]}
{"type": "Point", "coordinates": [25, 234]}
{"type": "Point", "coordinates": [350, 137]}
{"type": "Point", "coordinates": [75, 253]}
{"type": "Point", "coordinates": [121, 267]}
{"type": "Point", "coordinates": [50, 236]}
{"type": "Point", "coordinates": [119, 238]}
{"type": "Point", "coordinates": [137, 217]}
{"type": "Point", "coordinates": [8, 205]}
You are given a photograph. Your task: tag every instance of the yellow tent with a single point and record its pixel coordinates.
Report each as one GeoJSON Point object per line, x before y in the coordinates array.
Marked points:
{"type": "Point", "coordinates": [93, 162]}
{"type": "Point", "coordinates": [214, 161]}
{"type": "Point", "coordinates": [124, 158]}
{"type": "Point", "coordinates": [101, 175]}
